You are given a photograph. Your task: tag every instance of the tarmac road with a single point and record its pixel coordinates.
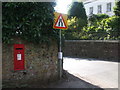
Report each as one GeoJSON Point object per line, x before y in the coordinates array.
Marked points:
{"type": "Point", "coordinates": [100, 73]}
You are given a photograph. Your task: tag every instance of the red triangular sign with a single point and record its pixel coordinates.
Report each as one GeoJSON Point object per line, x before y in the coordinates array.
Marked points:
{"type": "Point", "coordinates": [60, 23]}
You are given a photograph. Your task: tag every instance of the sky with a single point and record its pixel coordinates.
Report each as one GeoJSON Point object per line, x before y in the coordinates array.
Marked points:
{"type": "Point", "coordinates": [62, 6]}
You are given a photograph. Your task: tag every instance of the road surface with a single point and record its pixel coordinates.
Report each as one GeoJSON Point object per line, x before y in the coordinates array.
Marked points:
{"type": "Point", "coordinates": [99, 73]}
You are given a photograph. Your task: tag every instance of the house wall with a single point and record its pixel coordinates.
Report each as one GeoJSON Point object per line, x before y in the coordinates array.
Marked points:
{"type": "Point", "coordinates": [41, 65]}
{"type": "Point", "coordinates": [95, 3]}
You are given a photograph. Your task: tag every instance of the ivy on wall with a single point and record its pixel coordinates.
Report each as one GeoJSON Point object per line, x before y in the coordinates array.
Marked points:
{"type": "Point", "coordinates": [31, 21]}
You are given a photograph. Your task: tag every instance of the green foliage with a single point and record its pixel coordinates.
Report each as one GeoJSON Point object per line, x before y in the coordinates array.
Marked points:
{"type": "Point", "coordinates": [100, 26]}
{"type": "Point", "coordinates": [93, 19]}
{"type": "Point", "coordinates": [75, 26]}
{"type": "Point", "coordinates": [77, 10]}
{"type": "Point", "coordinates": [117, 8]}
{"type": "Point", "coordinates": [30, 21]}
{"type": "Point", "coordinates": [77, 20]}
{"type": "Point", "coordinates": [108, 28]}
{"type": "Point", "coordinates": [105, 29]}
{"type": "Point", "coordinates": [115, 27]}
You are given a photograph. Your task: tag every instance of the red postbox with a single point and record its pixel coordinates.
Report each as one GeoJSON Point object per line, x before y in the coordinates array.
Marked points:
{"type": "Point", "coordinates": [19, 57]}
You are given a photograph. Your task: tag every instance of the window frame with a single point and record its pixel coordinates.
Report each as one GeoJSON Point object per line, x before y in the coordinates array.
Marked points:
{"type": "Point", "coordinates": [109, 7]}
{"type": "Point", "coordinates": [99, 9]}
{"type": "Point", "coordinates": [91, 10]}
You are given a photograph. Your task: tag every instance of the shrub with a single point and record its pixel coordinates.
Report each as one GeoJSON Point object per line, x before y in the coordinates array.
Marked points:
{"type": "Point", "coordinates": [30, 21]}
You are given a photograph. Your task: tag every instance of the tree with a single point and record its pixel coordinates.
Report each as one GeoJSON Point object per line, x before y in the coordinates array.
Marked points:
{"type": "Point", "coordinates": [77, 10]}
{"type": "Point", "coordinates": [103, 27]}
{"type": "Point", "coordinates": [117, 8]}
{"type": "Point", "coordinates": [30, 21]}
{"type": "Point", "coordinates": [77, 20]}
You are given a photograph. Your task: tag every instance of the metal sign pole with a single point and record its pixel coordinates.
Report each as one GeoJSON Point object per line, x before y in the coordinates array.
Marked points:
{"type": "Point", "coordinates": [60, 40]}
{"type": "Point", "coordinates": [60, 23]}
{"type": "Point", "coordinates": [60, 54]}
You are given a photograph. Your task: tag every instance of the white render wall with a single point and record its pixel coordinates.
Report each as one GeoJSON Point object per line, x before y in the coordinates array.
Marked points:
{"type": "Point", "coordinates": [95, 3]}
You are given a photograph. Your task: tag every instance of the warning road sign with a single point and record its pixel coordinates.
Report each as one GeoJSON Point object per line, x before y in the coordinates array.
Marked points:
{"type": "Point", "coordinates": [60, 21]}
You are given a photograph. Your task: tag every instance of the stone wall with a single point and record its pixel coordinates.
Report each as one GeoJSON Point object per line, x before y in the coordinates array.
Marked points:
{"type": "Point", "coordinates": [99, 49]}
{"type": "Point", "coordinates": [41, 65]}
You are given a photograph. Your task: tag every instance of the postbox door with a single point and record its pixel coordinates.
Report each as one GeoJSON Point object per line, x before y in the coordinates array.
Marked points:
{"type": "Point", "coordinates": [19, 57]}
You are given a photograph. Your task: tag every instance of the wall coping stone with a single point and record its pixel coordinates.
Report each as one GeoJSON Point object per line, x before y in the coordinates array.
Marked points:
{"type": "Point", "coordinates": [111, 41]}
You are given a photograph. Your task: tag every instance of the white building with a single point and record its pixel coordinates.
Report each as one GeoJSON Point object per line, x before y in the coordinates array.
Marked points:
{"type": "Point", "coordinates": [99, 6]}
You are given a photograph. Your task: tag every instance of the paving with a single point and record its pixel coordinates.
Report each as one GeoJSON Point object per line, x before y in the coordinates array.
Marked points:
{"type": "Point", "coordinates": [100, 73]}
{"type": "Point", "coordinates": [88, 73]}
{"type": "Point", "coordinates": [70, 81]}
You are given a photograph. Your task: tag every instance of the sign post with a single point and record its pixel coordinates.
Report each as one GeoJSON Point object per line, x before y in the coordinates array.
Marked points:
{"type": "Point", "coordinates": [60, 54]}
{"type": "Point", "coordinates": [60, 22]}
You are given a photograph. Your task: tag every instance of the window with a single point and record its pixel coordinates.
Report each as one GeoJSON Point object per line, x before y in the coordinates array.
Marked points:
{"type": "Point", "coordinates": [108, 7]}
{"type": "Point", "coordinates": [99, 9]}
{"type": "Point", "coordinates": [91, 10]}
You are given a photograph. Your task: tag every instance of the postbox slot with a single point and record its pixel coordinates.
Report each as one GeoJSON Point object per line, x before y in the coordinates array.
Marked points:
{"type": "Point", "coordinates": [19, 48]}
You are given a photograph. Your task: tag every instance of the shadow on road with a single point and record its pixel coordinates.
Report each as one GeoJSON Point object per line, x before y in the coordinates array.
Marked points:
{"type": "Point", "coordinates": [70, 81]}
{"type": "Point", "coordinates": [67, 81]}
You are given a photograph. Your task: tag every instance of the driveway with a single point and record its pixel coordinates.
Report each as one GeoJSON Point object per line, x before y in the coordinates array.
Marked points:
{"type": "Point", "coordinates": [99, 73]}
